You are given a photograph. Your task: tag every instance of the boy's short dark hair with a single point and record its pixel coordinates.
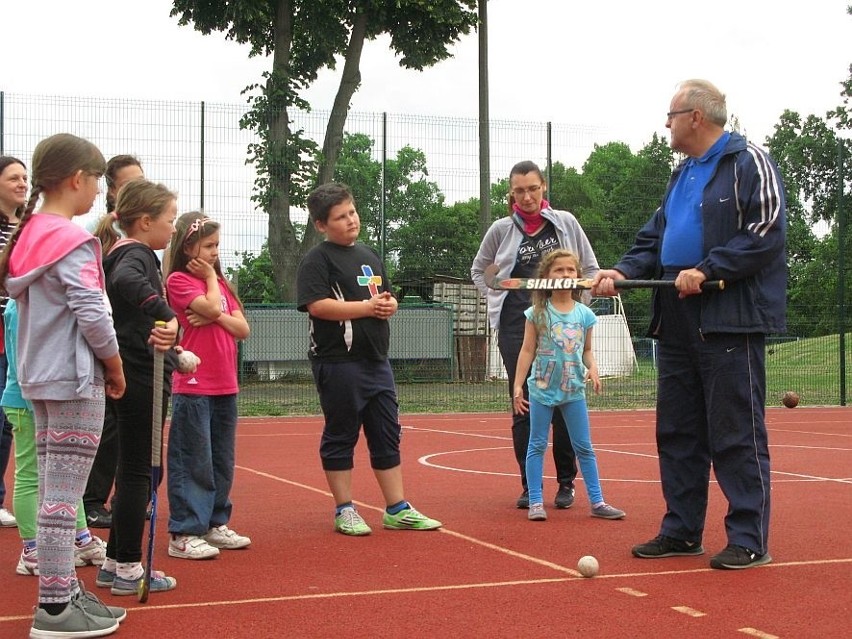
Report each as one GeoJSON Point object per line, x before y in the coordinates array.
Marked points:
{"type": "Point", "coordinates": [325, 197]}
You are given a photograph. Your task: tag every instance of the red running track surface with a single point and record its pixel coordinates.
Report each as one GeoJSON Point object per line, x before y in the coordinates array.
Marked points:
{"type": "Point", "coordinates": [490, 572]}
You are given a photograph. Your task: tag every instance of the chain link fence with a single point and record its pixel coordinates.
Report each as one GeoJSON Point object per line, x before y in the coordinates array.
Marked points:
{"type": "Point", "coordinates": [443, 355]}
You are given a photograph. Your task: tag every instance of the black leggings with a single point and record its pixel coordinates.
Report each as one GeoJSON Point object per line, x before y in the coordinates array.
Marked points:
{"type": "Point", "coordinates": [133, 473]}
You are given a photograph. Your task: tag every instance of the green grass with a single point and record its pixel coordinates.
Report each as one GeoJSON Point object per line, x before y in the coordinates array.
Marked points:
{"type": "Point", "coordinates": [808, 366]}
{"type": "Point", "coordinates": [811, 367]}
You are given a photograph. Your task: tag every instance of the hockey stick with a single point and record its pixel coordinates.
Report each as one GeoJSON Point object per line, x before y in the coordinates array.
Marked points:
{"type": "Point", "coordinates": [568, 283]}
{"type": "Point", "coordinates": [156, 466]}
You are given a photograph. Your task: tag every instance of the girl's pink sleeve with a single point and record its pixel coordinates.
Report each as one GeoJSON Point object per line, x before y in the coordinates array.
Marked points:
{"type": "Point", "coordinates": [182, 288]}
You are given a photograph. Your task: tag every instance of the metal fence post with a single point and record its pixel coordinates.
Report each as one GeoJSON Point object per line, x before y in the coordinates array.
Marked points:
{"type": "Point", "coordinates": [484, 124]}
{"type": "Point", "coordinates": [383, 198]}
{"type": "Point", "coordinates": [841, 267]}
{"type": "Point", "coordinates": [549, 151]}
{"type": "Point", "coordinates": [201, 205]}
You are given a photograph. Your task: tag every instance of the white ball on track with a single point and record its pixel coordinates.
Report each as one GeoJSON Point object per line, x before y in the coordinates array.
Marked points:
{"type": "Point", "coordinates": [588, 566]}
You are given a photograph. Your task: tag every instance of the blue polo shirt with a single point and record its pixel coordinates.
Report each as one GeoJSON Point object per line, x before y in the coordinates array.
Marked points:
{"type": "Point", "coordinates": [683, 245]}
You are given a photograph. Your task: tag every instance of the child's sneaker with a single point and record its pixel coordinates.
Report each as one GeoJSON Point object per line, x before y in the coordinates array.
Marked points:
{"type": "Point", "coordinates": [349, 522]}
{"type": "Point", "coordinates": [605, 511]}
{"type": "Point", "coordinates": [28, 562]}
{"type": "Point", "coordinates": [94, 606]}
{"type": "Point", "coordinates": [409, 519]}
{"type": "Point", "coordinates": [7, 519]}
{"type": "Point", "coordinates": [537, 513]}
{"type": "Point", "coordinates": [564, 496]}
{"type": "Point", "coordinates": [104, 578]}
{"type": "Point", "coordinates": [224, 537]}
{"type": "Point", "coordinates": [74, 621]}
{"type": "Point", "coordinates": [90, 554]}
{"type": "Point", "coordinates": [159, 583]}
{"type": "Point", "coordinates": [191, 547]}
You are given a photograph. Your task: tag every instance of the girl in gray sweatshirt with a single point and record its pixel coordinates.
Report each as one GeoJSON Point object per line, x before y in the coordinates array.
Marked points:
{"type": "Point", "coordinates": [68, 361]}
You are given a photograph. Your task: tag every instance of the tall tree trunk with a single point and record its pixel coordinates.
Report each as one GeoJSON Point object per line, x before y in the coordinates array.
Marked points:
{"type": "Point", "coordinates": [283, 243]}
{"type": "Point", "coordinates": [333, 142]}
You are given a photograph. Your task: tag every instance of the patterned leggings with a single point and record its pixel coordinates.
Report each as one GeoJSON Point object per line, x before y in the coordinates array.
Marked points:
{"type": "Point", "coordinates": [67, 437]}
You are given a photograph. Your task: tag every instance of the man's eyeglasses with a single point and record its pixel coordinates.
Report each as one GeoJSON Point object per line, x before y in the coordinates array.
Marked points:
{"type": "Point", "coordinates": [671, 114]}
{"type": "Point", "coordinates": [532, 190]}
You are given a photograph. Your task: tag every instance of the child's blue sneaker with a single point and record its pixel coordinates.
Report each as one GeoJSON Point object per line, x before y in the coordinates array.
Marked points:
{"type": "Point", "coordinates": [104, 578]}
{"type": "Point", "coordinates": [159, 583]}
{"type": "Point", "coordinates": [605, 511]}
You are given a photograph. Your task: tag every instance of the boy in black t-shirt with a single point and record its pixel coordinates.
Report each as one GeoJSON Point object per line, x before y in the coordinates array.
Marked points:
{"type": "Point", "coordinates": [343, 287]}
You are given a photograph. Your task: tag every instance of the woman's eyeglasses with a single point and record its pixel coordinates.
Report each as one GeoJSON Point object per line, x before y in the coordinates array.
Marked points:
{"type": "Point", "coordinates": [531, 190]}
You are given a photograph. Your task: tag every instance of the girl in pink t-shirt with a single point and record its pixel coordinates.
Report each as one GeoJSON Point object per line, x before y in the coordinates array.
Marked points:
{"type": "Point", "coordinates": [202, 435]}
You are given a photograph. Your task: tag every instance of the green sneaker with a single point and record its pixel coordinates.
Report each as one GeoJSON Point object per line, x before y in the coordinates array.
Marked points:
{"type": "Point", "coordinates": [409, 519]}
{"type": "Point", "coordinates": [349, 522]}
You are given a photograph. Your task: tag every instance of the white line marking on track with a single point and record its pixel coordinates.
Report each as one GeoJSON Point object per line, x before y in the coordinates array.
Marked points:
{"type": "Point", "coordinates": [632, 592]}
{"type": "Point", "coordinates": [449, 587]}
{"type": "Point", "coordinates": [754, 632]}
{"type": "Point", "coordinates": [819, 448]}
{"type": "Point", "coordinates": [808, 432]}
{"type": "Point", "coordinates": [426, 460]}
{"type": "Point", "coordinates": [530, 558]}
{"type": "Point", "coordinates": [512, 553]}
{"type": "Point", "coordinates": [456, 432]}
{"type": "Point", "coordinates": [812, 477]}
{"type": "Point", "coordinates": [692, 612]}
{"type": "Point", "coordinates": [331, 595]}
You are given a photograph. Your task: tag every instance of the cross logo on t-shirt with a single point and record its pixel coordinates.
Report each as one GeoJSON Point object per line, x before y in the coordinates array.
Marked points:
{"type": "Point", "coordinates": [372, 282]}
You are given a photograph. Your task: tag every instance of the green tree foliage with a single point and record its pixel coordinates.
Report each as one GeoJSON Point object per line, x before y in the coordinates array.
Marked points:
{"type": "Point", "coordinates": [409, 195]}
{"type": "Point", "coordinates": [422, 236]}
{"type": "Point", "coordinates": [253, 277]}
{"type": "Point", "coordinates": [441, 240]}
{"type": "Point", "coordinates": [303, 37]}
{"type": "Point", "coordinates": [624, 189]}
{"type": "Point", "coordinates": [807, 155]}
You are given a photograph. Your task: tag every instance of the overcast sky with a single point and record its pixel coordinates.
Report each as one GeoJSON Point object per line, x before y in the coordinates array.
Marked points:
{"type": "Point", "coordinates": [604, 64]}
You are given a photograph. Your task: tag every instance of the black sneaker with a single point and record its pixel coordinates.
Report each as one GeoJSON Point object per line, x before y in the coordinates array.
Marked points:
{"type": "Point", "coordinates": [523, 500]}
{"type": "Point", "coordinates": [99, 517]}
{"type": "Point", "coordinates": [737, 557]}
{"type": "Point", "coordinates": [564, 496]}
{"type": "Point", "coordinates": [663, 546]}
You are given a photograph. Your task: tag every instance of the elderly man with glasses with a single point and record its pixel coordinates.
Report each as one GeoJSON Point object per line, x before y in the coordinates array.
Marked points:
{"type": "Point", "coordinates": [722, 217]}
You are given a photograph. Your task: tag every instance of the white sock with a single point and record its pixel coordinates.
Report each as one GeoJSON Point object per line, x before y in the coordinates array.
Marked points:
{"type": "Point", "coordinates": [131, 570]}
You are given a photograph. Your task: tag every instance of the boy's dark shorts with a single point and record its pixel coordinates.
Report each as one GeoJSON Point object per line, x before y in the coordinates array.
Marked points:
{"type": "Point", "coordinates": [352, 394]}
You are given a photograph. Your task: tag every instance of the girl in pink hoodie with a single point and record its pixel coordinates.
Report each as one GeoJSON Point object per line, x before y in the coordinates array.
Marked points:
{"type": "Point", "coordinates": [68, 361]}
